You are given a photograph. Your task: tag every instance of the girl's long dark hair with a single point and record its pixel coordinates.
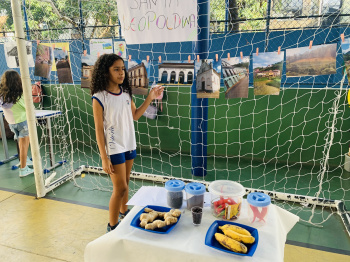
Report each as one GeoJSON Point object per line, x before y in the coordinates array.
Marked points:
{"type": "Point", "coordinates": [100, 74]}
{"type": "Point", "coordinates": [11, 87]}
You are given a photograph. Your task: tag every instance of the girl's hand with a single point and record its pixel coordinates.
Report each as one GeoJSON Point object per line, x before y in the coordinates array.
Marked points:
{"type": "Point", "coordinates": [107, 166]}
{"type": "Point", "coordinates": [155, 92]}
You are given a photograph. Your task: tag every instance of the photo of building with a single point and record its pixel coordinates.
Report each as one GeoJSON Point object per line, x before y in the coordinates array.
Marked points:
{"type": "Point", "coordinates": [208, 80]}
{"type": "Point", "coordinates": [345, 46]}
{"type": "Point", "coordinates": [11, 54]}
{"type": "Point", "coordinates": [87, 66]}
{"type": "Point", "coordinates": [43, 61]}
{"type": "Point", "coordinates": [267, 68]}
{"type": "Point", "coordinates": [236, 77]}
{"type": "Point", "coordinates": [176, 73]}
{"type": "Point", "coordinates": [138, 79]}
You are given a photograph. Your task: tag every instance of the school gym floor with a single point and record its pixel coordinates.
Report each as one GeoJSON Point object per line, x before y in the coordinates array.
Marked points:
{"type": "Point", "coordinates": [59, 226]}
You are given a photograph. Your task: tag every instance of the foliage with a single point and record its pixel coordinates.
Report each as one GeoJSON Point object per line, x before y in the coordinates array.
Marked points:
{"type": "Point", "coordinates": [247, 9]}
{"type": "Point", "coordinates": [5, 10]}
{"type": "Point", "coordinates": [274, 83]}
{"type": "Point", "coordinates": [60, 14]}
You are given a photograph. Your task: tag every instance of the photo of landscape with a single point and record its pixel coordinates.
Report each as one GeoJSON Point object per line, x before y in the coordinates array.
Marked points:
{"type": "Point", "coordinates": [319, 60]}
{"type": "Point", "coordinates": [267, 69]}
{"type": "Point", "coordinates": [345, 46]}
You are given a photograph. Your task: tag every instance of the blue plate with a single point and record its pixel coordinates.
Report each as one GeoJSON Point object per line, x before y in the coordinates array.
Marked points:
{"type": "Point", "coordinates": [214, 228]}
{"type": "Point", "coordinates": [163, 230]}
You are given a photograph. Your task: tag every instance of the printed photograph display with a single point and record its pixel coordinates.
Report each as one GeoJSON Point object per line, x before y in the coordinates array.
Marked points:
{"type": "Point", "coordinates": [100, 47]}
{"type": "Point", "coordinates": [345, 46]}
{"type": "Point", "coordinates": [267, 70]}
{"type": "Point", "coordinates": [138, 72]}
{"type": "Point", "coordinates": [62, 62]}
{"type": "Point", "coordinates": [11, 54]}
{"type": "Point", "coordinates": [87, 66]}
{"type": "Point", "coordinates": [319, 60]}
{"type": "Point", "coordinates": [120, 49]}
{"type": "Point", "coordinates": [176, 72]}
{"type": "Point", "coordinates": [43, 61]}
{"type": "Point", "coordinates": [235, 72]}
{"type": "Point", "coordinates": [208, 74]}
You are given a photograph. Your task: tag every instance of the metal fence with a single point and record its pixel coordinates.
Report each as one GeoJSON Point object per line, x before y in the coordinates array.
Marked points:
{"type": "Point", "coordinates": [83, 19]}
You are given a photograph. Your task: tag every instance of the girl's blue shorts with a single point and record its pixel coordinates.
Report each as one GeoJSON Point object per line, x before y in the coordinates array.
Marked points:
{"type": "Point", "coordinates": [20, 129]}
{"type": "Point", "coordinates": [122, 157]}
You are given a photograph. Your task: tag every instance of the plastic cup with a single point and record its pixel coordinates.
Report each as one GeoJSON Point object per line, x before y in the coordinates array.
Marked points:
{"type": "Point", "coordinates": [195, 194]}
{"type": "Point", "coordinates": [197, 215]}
{"type": "Point", "coordinates": [226, 199]}
{"type": "Point", "coordinates": [258, 207]}
{"type": "Point", "coordinates": [174, 193]}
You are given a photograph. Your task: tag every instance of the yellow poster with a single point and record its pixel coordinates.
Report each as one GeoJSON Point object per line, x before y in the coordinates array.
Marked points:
{"type": "Point", "coordinates": [61, 52]}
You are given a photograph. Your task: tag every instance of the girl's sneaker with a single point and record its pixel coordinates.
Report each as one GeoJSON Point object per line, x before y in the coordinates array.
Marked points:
{"type": "Point", "coordinates": [110, 228]}
{"type": "Point", "coordinates": [29, 162]}
{"type": "Point", "coordinates": [25, 171]}
{"type": "Point", "coordinates": [122, 215]}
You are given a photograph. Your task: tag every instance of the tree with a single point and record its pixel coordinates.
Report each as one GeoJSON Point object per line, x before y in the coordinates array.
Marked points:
{"type": "Point", "coordinates": [233, 16]}
{"type": "Point", "coordinates": [59, 14]}
{"type": "Point", "coordinates": [5, 16]}
{"type": "Point", "coordinates": [238, 9]}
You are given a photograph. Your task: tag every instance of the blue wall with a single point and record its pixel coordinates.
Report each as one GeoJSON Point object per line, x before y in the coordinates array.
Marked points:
{"type": "Point", "coordinates": [222, 45]}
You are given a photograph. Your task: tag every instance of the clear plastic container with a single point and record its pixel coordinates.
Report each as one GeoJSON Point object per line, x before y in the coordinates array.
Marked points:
{"type": "Point", "coordinates": [174, 193]}
{"type": "Point", "coordinates": [226, 199]}
{"type": "Point", "coordinates": [195, 195]}
{"type": "Point", "coordinates": [258, 207]}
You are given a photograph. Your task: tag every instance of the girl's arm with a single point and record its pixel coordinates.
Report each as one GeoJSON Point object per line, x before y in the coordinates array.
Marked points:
{"type": "Point", "coordinates": [100, 137]}
{"type": "Point", "coordinates": [153, 94]}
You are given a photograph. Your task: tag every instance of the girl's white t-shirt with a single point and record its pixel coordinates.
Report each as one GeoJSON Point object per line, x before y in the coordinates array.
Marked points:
{"type": "Point", "coordinates": [118, 121]}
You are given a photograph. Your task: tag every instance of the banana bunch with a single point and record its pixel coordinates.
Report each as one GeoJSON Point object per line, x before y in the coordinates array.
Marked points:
{"type": "Point", "coordinates": [234, 238]}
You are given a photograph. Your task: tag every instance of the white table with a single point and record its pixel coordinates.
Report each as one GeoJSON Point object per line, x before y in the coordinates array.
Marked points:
{"type": "Point", "coordinates": [40, 115]}
{"type": "Point", "coordinates": [186, 242]}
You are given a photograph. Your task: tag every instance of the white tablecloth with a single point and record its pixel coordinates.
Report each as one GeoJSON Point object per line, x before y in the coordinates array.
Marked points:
{"type": "Point", "coordinates": [186, 241]}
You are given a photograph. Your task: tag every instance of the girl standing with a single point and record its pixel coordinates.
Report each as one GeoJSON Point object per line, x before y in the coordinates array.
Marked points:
{"type": "Point", "coordinates": [114, 112]}
{"type": "Point", "coordinates": [12, 102]}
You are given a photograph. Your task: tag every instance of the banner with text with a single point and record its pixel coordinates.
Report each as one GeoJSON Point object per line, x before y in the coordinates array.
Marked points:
{"type": "Point", "coordinates": [158, 21]}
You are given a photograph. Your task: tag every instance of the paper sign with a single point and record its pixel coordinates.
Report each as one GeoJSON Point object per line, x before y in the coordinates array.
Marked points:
{"type": "Point", "coordinates": [158, 21]}
{"type": "Point", "coordinates": [11, 54]}
{"type": "Point", "coordinates": [100, 46]}
{"type": "Point", "coordinates": [120, 49]}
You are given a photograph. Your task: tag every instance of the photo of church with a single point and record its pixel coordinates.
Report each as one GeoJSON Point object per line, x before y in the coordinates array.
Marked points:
{"type": "Point", "coordinates": [208, 79]}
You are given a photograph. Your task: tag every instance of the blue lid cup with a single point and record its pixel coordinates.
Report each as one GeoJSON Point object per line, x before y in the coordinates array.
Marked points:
{"type": "Point", "coordinates": [174, 193]}
{"type": "Point", "coordinates": [258, 206]}
{"type": "Point", "coordinates": [195, 194]}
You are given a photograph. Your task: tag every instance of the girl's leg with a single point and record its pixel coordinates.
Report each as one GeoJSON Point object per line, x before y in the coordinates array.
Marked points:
{"type": "Point", "coordinates": [120, 188]}
{"type": "Point", "coordinates": [23, 144]}
{"type": "Point", "coordinates": [128, 164]}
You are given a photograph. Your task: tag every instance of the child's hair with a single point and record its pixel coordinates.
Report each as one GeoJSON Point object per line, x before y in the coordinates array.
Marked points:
{"type": "Point", "coordinates": [10, 87]}
{"type": "Point", "coordinates": [100, 75]}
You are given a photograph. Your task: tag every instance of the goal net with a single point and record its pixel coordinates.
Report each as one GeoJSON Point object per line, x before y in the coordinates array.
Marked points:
{"type": "Point", "coordinates": [286, 132]}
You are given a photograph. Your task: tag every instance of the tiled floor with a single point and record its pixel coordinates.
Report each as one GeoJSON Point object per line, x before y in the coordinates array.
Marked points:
{"type": "Point", "coordinates": [59, 226]}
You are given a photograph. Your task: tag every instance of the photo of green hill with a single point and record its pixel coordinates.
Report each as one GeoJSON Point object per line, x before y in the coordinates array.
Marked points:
{"type": "Point", "coordinates": [267, 69]}
{"type": "Point", "coordinates": [319, 60]}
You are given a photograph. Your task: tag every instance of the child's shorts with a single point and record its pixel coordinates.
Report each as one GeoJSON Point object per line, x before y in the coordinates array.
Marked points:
{"type": "Point", "coordinates": [20, 129]}
{"type": "Point", "coordinates": [122, 157]}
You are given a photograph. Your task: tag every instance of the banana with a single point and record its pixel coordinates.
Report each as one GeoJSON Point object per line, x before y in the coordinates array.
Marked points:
{"type": "Point", "coordinates": [236, 229]}
{"type": "Point", "coordinates": [231, 244]}
{"type": "Point", "coordinates": [238, 237]}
